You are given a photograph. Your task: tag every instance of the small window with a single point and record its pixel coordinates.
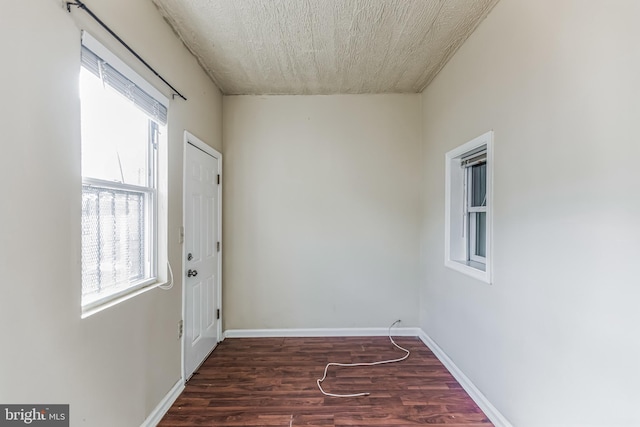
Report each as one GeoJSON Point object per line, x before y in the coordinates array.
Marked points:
{"type": "Point", "coordinates": [120, 128]}
{"type": "Point", "coordinates": [468, 208]}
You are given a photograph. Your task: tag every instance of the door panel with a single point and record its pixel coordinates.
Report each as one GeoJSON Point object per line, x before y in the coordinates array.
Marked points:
{"type": "Point", "coordinates": [196, 324]}
{"type": "Point", "coordinates": [201, 238]}
{"type": "Point", "coordinates": [196, 227]}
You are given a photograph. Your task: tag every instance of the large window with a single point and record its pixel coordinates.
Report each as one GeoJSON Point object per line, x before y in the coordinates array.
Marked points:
{"type": "Point", "coordinates": [121, 123]}
{"type": "Point", "coordinates": [468, 208]}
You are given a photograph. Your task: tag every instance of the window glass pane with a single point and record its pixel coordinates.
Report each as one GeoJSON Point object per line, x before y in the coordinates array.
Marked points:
{"type": "Point", "coordinates": [113, 241]}
{"type": "Point", "coordinates": [481, 234]}
{"type": "Point", "coordinates": [114, 134]}
{"type": "Point", "coordinates": [479, 185]}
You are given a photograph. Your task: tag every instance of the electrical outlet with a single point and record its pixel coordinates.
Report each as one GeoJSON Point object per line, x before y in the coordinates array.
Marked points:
{"type": "Point", "coordinates": [180, 328]}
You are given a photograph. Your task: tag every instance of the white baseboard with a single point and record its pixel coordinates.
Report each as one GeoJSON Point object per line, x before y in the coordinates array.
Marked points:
{"type": "Point", "coordinates": [321, 332]}
{"type": "Point", "coordinates": [489, 410]}
{"type": "Point", "coordinates": [158, 412]}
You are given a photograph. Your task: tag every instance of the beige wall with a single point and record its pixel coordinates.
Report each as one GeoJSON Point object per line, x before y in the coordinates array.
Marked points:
{"type": "Point", "coordinates": [554, 340]}
{"type": "Point", "coordinates": [320, 211]}
{"type": "Point", "coordinates": [115, 366]}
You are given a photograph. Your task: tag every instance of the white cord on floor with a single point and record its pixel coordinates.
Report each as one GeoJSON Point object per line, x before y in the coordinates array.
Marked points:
{"type": "Point", "coordinates": [381, 362]}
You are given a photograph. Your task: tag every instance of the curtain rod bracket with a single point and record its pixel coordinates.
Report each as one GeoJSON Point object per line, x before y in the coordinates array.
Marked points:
{"type": "Point", "coordinates": [80, 5]}
{"type": "Point", "coordinates": [69, 4]}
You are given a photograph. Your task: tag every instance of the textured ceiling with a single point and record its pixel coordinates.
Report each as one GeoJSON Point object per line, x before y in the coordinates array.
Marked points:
{"type": "Point", "coordinates": [323, 46]}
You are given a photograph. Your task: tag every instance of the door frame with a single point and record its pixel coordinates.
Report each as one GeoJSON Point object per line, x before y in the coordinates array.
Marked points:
{"type": "Point", "coordinates": [190, 139]}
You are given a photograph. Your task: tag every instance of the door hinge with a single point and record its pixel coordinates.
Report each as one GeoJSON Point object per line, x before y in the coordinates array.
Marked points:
{"type": "Point", "coordinates": [218, 314]}
{"type": "Point", "coordinates": [180, 328]}
{"type": "Point", "coordinates": [218, 179]}
{"type": "Point", "coordinates": [218, 246]}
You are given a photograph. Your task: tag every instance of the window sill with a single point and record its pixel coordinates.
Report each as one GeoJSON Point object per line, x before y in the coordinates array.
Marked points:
{"type": "Point", "coordinates": [91, 310]}
{"type": "Point", "coordinates": [473, 269]}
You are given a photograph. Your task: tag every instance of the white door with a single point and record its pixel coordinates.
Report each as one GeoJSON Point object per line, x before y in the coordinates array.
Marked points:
{"type": "Point", "coordinates": [201, 251]}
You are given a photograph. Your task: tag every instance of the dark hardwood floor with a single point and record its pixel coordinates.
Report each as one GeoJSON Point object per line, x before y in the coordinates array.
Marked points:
{"type": "Point", "coordinates": [272, 382]}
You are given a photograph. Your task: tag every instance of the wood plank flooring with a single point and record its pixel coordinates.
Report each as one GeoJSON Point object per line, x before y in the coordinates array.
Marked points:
{"type": "Point", "coordinates": [272, 382]}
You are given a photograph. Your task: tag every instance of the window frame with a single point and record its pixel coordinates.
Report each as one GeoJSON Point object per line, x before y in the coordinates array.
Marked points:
{"type": "Point", "coordinates": [460, 214]}
{"type": "Point", "coordinates": [472, 211]}
{"type": "Point", "coordinates": [150, 190]}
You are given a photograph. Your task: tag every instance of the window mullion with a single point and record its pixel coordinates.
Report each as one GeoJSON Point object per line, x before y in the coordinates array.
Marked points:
{"type": "Point", "coordinates": [100, 183]}
{"type": "Point", "coordinates": [477, 209]}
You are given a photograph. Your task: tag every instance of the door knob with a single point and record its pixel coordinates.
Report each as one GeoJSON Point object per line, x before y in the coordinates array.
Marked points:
{"type": "Point", "coordinates": [189, 257]}
{"type": "Point", "coordinates": [192, 273]}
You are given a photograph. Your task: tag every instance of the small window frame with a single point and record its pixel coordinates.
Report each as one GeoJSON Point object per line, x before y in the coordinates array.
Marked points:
{"type": "Point", "coordinates": [472, 211]}
{"type": "Point", "coordinates": [460, 234]}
